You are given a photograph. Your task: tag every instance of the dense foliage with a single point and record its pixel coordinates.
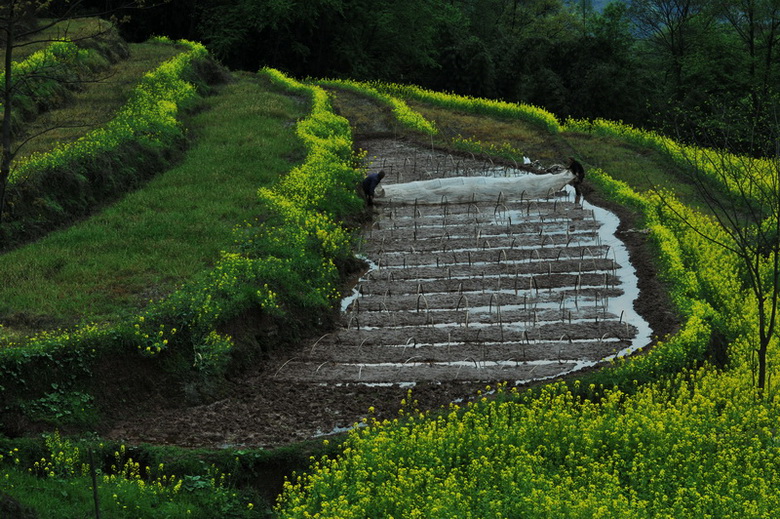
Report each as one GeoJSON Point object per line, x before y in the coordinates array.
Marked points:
{"type": "Point", "coordinates": [679, 66]}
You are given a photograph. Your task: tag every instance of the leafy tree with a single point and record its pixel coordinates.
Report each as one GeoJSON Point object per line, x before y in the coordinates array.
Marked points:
{"type": "Point", "coordinates": [672, 28]}
{"type": "Point", "coordinates": [518, 47]}
{"type": "Point", "coordinates": [694, 64]}
{"type": "Point", "coordinates": [246, 34]}
{"type": "Point", "coordinates": [394, 41]}
{"type": "Point", "coordinates": [604, 78]}
{"type": "Point", "coordinates": [756, 24]}
{"type": "Point", "coordinates": [466, 64]}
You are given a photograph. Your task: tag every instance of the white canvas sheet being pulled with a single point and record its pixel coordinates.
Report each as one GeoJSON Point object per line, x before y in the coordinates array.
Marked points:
{"type": "Point", "coordinates": [474, 189]}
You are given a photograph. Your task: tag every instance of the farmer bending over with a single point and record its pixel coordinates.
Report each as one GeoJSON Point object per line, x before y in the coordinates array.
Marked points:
{"type": "Point", "coordinates": [579, 175]}
{"type": "Point", "coordinates": [370, 184]}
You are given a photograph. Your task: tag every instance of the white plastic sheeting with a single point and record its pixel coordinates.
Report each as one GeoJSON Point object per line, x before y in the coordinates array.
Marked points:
{"type": "Point", "coordinates": [455, 190]}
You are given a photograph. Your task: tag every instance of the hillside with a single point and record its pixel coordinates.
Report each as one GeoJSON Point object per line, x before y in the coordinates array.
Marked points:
{"type": "Point", "coordinates": [569, 449]}
{"type": "Point", "coordinates": [200, 309]}
{"type": "Point", "coordinates": [264, 409]}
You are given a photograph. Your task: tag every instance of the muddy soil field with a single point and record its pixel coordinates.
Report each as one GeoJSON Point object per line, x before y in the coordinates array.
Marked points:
{"type": "Point", "coordinates": [454, 297]}
{"type": "Point", "coordinates": [516, 290]}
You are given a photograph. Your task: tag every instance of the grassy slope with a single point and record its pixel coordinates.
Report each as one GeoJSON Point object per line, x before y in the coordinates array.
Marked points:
{"type": "Point", "coordinates": [640, 169]}
{"type": "Point", "coordinates": [179, 222]}
{"type": "Point", "coordinates": [156, 238]}
{"type": "Point", "coordinates": [96, 102]}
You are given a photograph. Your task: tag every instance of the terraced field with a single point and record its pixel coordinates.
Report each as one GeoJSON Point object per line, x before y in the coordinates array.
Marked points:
{"type": "Point", "coordinates": [454, 297]}
{"type": "Point", "coordinates": [519, 290]}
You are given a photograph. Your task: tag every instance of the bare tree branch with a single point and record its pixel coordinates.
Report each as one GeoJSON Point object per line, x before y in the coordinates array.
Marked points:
{"type": "Point", "coordinates": [749, 216]}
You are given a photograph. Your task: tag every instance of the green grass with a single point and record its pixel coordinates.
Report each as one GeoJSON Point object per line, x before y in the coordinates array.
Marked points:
{"type": "Point", "coordinates": [51, 476]}
{"type": "Point", "coordinates": [70, 29]}
{"type": "Point", "coordinates": [642, 169]}
{"type": "Point", "coordinates": [156, 238]}
{"type": "Point", "coordinates": [521, 135]}
{"type": "Point", "coordinates": [96, 103]}
{"type": "Point", "coordinates": [69, 498]}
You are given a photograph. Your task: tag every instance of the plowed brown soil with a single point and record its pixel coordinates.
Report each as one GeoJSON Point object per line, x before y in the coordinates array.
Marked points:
{"type": "Point", "coordinates": [456, 297]}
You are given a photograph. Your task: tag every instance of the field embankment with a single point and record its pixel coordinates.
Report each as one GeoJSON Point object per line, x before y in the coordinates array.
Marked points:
{"type": "Point", "coordinates": [669, 432]}
{"type": "Point", "coordinates": [250, 305]}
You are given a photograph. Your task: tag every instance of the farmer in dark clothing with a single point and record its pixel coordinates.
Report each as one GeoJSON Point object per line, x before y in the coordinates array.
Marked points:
{"type": "Point", "coordinates": [579, 175]}
{"type": "Point", "coordinates": [370, 184]}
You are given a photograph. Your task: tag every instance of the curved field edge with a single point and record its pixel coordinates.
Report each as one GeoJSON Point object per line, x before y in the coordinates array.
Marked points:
{"type": "Point", "coordinates": [48, 190]}
{"type": "Point", "coordinates": [284, 264]}
{"type": "Point", "coordinates": [410, 118]}
{"type": "Point", "coordinates": [596, 444]}
{"type": "Point", "coordinates": [479, 106]}
{"type": "Point", "coordinates": [653, 435]}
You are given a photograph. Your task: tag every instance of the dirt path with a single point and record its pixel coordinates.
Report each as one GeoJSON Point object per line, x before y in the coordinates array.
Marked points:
{"type": "Point", "coordinates": [458, 296]}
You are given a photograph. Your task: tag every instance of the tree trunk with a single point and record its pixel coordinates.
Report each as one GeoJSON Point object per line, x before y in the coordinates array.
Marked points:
{"type": "Point", "coordinates": [5, 164]}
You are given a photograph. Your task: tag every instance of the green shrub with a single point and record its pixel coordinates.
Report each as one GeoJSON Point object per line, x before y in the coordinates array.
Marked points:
{"type": "Point", "coordinates": [489, 107]}
{"type": "Point", "coordinates": [405, 115]}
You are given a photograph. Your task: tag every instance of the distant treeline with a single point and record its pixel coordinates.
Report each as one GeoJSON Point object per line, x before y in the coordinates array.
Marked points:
{"type": "Point", "coordinates": [685, 67]}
